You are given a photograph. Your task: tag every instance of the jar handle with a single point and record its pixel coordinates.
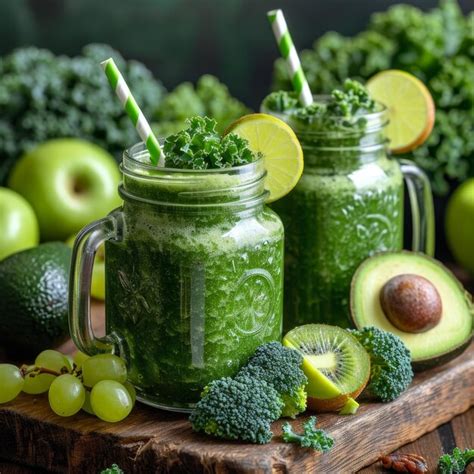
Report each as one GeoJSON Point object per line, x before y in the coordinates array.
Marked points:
{"type": "Point", "coordinates": [86, 244]}
{"type": "Point", "coordinates": [422, 208]}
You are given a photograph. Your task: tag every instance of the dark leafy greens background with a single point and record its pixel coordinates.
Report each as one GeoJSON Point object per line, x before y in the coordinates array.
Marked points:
{"type": "Point", "coordinates": [180, 40]}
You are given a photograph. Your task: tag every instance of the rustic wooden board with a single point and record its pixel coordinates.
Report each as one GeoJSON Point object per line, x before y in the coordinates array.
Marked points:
{"type": "Point", "coordinates": [156, 441]}
{"type": "Point", "coordinates": [459, 432]}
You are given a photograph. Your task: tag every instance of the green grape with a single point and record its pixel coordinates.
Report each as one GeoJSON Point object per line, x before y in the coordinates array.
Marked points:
{"type": "Point", "coordinates": [66, 395]}
{"type": "Point", "coordinates": [11, 382]}
{"type": "Point", "coordinates": [131, 390]}
{"type": "Point", "coordinates": [103, 367]}
{"type": "Point", "coordinates": [37, 383]}
{"type": "Point", "coordinates": [53, 360]}
{"type": "Point", "coordinates": [111, 401]}
{"type": "Point", "coordinates": [70, 361]}
{"type": "Point", "coordinates": [79, 358]}
{"type": "Point", "coordinates": [87, 407]}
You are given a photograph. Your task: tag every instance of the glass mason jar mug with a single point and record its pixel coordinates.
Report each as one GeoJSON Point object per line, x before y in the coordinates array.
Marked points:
{"type": "Point", "coordinates": [347, 206]}
{"type": "Point", "coordinates": [194, 277]}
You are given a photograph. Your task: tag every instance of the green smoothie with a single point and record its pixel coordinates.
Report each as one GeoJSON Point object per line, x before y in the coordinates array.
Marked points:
{"type": "Point", "coordinates": [194, 282]}
{"type": "Point", "coordinates": [347, 205]}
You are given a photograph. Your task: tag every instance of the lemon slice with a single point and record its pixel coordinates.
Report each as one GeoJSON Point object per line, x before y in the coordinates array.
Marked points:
{"type": "Point", "coordinates": [277, 143]}
{"type": "Point", "coordinates": [410, 106]}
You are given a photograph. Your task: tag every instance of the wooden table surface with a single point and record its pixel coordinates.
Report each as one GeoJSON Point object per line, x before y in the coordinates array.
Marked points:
{"type": "Point", "coordinates": [458, 432]}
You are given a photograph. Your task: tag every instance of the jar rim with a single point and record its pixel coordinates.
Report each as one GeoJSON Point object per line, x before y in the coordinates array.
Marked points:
{"type": "Point", "coordinates": [374, 120]}
{"type": "Point", "coordinates": [324, 98]}
{"type": "Point", "coordinates": [139, 149]}
{"type": "Point", "coordinates": [216, 188]}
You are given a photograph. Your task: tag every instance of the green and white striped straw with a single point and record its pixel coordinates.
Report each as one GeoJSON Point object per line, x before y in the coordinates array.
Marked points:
{"type": "Point", "coordinates": [288, 51]}
{"type": "Point", "coordinates": [118, 84]}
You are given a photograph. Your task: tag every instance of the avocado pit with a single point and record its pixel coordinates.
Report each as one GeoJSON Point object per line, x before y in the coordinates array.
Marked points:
{"type": "Point", "coordinates": [411, 303]}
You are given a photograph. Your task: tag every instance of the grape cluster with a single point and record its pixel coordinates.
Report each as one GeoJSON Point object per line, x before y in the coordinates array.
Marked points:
{"type": "Point", "coordinates": [97, 384]}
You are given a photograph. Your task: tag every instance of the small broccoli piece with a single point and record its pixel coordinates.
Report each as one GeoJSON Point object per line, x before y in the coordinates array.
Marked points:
{"type": "Point", "coordinates": [391, 372]}
{"type": "Point", "coordinates": [114, 469]}
{"type": "Point", "coordinates": [456, 462]}
{"type": "Point", "coordinates": [311, 437]}
{"type": "Point", "coordinates": [280, 366]}
{"type": "Point", "coordinates": [241, 408]}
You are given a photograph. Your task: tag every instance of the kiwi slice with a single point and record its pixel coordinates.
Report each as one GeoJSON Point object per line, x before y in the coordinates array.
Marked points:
{"type": "Point", "coordinates": [336, 364]}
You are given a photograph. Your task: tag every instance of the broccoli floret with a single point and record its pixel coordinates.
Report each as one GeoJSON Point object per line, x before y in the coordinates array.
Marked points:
{"type": "Point", "coordinates": [241, 408]}
{"type": "Point", "coordinates": [456, 462]}
{"type": "Point", "coordinates": [280, 367]}
{"type": "Point", "coordinates": [391, 372]}
{"type": "Point", "coordinates": [311, 437]}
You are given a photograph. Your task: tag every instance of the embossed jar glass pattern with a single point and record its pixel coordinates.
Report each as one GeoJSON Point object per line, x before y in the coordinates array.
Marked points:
{"type": "Point", "coordinates": [194, 277]}
{"type": "Point", "coordinates": [347, 206]}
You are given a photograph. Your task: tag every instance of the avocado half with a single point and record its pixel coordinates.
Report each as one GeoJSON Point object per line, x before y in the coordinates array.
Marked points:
{"type": "Point", "coordinates": [436, 346]}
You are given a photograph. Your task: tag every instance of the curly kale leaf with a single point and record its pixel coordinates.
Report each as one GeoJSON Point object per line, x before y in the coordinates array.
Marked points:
{"type": "Point", "coordinates": [456, 462]}
{"type": "Point", "coordinates": [351, 100]}
{"type": "Point", "coordinates": [342, 111]}
{"type": "Point", "coordinates": [448, 154]}
{"type": "Point", "coordinates": [418, 36]}
{"type": "Point", "coordinates": [467, 46]}
{"type": "Point", "coordinates": [209, 98]}
{"type": "Point", "coordinates": [310, 438]}
{"type": "Point", "coordinates": [44, 96]}
{"type": "Point", "coordinates": [281, 101]}
{"type": "Point", "coordinates": [200, 146]}
{"type": "Point", "coordinates": [452, 86]}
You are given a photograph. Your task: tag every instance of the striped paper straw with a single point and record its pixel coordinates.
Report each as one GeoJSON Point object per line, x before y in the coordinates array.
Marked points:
{"type": "Point", "coordinates": [288, 51]}
{"type": "Point", "coordinates": [118, 84]}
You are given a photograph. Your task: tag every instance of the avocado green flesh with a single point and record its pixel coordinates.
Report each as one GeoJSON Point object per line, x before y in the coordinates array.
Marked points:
{"type": "Point", "coordinates": [34, 296]}
{"type": "Point", "coordinates": [456, 325]}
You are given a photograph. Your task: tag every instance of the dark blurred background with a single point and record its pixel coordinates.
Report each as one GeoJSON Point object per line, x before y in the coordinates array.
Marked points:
{"type": "Point", "coordinates": [182, 39]}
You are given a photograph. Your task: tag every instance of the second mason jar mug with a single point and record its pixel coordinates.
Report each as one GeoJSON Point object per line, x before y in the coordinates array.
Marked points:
{"type": "Point", "coordinates": [347, 206]}
{"type": "Point", "coordinates": [194, 277]}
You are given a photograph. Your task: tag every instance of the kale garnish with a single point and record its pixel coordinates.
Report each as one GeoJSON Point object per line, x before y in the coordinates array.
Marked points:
{"type": "Point", "coordinates": [200, 147]}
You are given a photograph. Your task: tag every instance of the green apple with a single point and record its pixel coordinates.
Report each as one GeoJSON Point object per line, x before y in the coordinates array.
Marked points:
{"type": "Point", "coordinates": [460, 224]}
{"type": "Point", "coordinates": [18, 224]}
{"type": "Point", "coordinates": [69, 183]}
{"type": "Point", "coordinates": [98, 271]}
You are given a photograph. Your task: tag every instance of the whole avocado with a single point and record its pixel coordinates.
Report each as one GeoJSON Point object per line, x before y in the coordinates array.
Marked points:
{"type": "Point", "coordinates": [34, 296]}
